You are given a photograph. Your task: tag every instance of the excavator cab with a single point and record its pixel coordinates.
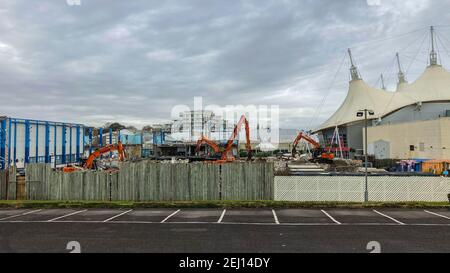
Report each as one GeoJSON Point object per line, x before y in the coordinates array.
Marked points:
{"type": "Point", "coordinates": [322, 156]}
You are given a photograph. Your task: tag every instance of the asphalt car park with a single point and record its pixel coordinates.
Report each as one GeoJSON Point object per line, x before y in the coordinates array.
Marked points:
{"type": "Point", "coordinates": [195, 216]}
{"type": "Point", "coordinates": [233, 216]}
{"type": "Point", "coordinates": [224, 230]}
{"type": "Point", "coordinates": [39, 215]}
{"type": "Point", "coordinates": [418, 216]}
{"type": "Point", "coordinates": [303, 216]}
{"type": "Point", "coordinates": [249, 216]}
{"type": "Point", "coordinates": [359, 216]}
{"type": "Point", "coordinates": [93, 215]}
{"type": "Point", "coordinates": [11, 214]}
{"type": "Point", "coordinates": [146, 216]}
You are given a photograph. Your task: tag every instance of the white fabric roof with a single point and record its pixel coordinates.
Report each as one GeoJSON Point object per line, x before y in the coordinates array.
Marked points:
{"type": "Point", "coordinates": [432, 85]}
{"type": "Point", "coordinates": [362, 96]}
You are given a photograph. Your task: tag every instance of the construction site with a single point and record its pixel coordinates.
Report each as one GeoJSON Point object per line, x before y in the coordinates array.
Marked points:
{"type": "Point", "coordinates": [370, 134]}
{"type": "Point", "coordinates": [246, 128]}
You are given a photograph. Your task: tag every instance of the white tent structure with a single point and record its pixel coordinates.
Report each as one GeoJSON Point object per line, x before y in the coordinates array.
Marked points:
{"type": "Point", "coordinates": [432, 86]}
{"type": "Point", "coordinates": [362, 96]}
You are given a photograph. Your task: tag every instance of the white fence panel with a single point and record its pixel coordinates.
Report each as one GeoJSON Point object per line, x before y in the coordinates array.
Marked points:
{"type": "Point", "coordinates": [351, 188]}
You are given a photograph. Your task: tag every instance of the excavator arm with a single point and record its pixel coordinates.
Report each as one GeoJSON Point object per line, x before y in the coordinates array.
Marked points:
{"type": "Point", "coordinates": [210, 143]}
{"type": "Point", "coordinates": [226, 153]}
{"type": "Point", "coordinates": [89, 164]}
{"type": "Point", "coordinates": [301, 136]}
{"type": "Point", "coordinates": [316, 146]}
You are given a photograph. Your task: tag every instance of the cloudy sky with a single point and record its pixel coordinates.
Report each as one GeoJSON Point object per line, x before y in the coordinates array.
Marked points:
{"type": "Point", "coordinates": [132, 61]}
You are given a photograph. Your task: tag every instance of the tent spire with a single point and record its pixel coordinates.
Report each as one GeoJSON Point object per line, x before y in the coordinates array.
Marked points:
{"type": "Point", "coordinates": [401, 75]}
{"type": "Point", "coordinates": [353, 70]}
{"type": "Point", "coordinates": [383, 86]}
{"type": "Point", "coordinates": [433, 54]}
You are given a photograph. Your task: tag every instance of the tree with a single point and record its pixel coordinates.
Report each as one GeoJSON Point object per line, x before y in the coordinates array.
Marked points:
{"type": "Point", "coordinates": [131, 128]}
{"type": "Point", "coordinates": [115, 126]}
{"type": "Point", "coordinates": [147, 128]}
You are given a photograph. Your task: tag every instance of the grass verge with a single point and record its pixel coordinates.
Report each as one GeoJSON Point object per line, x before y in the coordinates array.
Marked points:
{"type": "Point", "coordinates": [216, 204]}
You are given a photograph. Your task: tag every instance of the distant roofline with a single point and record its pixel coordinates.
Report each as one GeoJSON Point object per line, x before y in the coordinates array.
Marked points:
{"type": "Point", "coordinates": [23, 120]}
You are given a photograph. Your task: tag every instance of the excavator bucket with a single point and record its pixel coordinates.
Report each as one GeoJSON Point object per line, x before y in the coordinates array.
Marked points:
{"type": "Point", "coordinates": [328, 156]}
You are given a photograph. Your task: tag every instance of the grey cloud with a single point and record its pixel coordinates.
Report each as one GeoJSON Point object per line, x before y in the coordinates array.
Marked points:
{"type": "Point", "coordinates": [134, 60]}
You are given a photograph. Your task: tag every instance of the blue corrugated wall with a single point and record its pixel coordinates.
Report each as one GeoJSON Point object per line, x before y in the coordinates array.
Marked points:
{"type": "Point", "coordinates": [9, 142]}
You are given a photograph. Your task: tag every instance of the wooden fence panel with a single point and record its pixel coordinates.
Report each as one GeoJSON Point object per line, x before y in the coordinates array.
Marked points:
{"type": "Point", "coordinates": [247, 181]}
{"type": "Point", "coordinates": [37, 181]}
{"type": "Point", "coordinates": [149, 181]}
{"type": "Point", "coordinates": [3, 185]}
{"type": "Point", "coordinates": [12, 185]}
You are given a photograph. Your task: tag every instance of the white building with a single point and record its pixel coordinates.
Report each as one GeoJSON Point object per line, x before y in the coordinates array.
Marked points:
{"type": "Point", "coordinates": [411, 122]}
{"type": "Point", "coordinates": [194, 124]}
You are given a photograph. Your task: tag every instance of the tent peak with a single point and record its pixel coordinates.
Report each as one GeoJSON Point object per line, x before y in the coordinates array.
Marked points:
{"type": "Point", "coordinates": [401, 75]}
{"type": "Point", "coordinates": [383, 85]}
{"type": "Point", "coordinates": [353, 70]}
{"type": "Point", "coordinates": [433, 54]}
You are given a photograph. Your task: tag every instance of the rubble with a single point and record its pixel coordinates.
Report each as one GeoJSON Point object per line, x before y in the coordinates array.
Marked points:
{"type": "Point", "coordinates": [344, 165]}
{"type": "Point", "coordinates": [371, 170]}
{"type": "Point", "coordinates": [281, 167]}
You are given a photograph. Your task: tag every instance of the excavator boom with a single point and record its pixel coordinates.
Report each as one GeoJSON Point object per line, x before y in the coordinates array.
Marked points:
{"type": "Point", "coordinates": [315, 144]}
{"type": "Point", "coordinates": [226, 153]}
{"type": "Point", "coordinates": [115, 147]}
{"type": "Point", "coordinates": [210, 143]}
{"type": "Point", "coordinates": [301, 136]}
{"type": "Point", "coordinates": [90, 162]}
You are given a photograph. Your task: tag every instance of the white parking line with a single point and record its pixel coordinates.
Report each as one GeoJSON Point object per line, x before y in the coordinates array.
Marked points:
{"type": "Point", "coordinates": [22, 214]}
{"type": "Point", "coordinates": [221, 216]}
{"type": "Point", "coordinates": [229, 223]}
{"type": "Point", "coordinates": [275, 217]}
{"type": "Point", "coordinates": [389, 217]}
{"type": "Point", "coordinates": [67, 215]}
{"type": "Point", "coordinates": [168, 217]}
{"type": "Point", "coordinates": [437, 214]}
{"type": "Point", "coordinates": [118, 215]}
{"type": "Point", "coordinates": [331, 217]}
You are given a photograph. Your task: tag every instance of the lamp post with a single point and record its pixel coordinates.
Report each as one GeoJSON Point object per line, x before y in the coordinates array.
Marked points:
{"type": "Point", "coordinates": [360, 114]}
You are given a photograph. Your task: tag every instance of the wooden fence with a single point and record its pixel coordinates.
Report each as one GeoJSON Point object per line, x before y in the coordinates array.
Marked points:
{"type": "Point", "coordinates": [43, 183]}
{"type": "Point", "coordinates": [13, 188]}
{"type": "Point", "coordinates": [149, 181]}
{"type": "Point", "coordinates": [247, 181]}
{"type": "Point", "coordinates": [3, 185]}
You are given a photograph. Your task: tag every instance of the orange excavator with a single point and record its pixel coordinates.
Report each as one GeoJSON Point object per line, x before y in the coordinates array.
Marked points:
{"type": "Point", "coordinates": [226, 155]}
{"type": "Point", "coordinates": [319, 154]}
{"type": "Point", "coordinates": [210, 143]}
{"type": "Point", "coordinates": [90, 161]}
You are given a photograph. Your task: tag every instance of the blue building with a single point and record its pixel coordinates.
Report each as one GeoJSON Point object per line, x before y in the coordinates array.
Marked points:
{"type": "Point", "coordinates": [25, 141]}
